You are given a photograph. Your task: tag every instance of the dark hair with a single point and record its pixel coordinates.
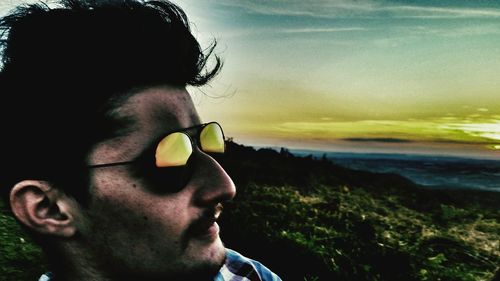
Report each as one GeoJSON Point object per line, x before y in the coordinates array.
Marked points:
{"type": "Point", "coordinates": [62, 67]}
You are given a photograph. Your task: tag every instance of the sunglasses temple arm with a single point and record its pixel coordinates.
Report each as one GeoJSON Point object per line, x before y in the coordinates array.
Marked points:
{"type": "Point", "coordinates": [110, 164]}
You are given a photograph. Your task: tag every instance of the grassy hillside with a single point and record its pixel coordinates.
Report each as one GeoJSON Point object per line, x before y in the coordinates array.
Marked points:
{"type": "Point", "coordinates": [20, 259]}
{"type": "Point", "coordinates": [313, 220]}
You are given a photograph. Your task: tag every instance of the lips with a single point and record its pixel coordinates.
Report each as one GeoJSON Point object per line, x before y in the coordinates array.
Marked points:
{"type": "Point", "coordinates": [203, 226]}
{"type": "Point", "coordinates": [206, 226]}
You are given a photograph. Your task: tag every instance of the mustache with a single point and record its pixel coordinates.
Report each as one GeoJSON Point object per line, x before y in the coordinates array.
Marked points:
{"type": "Point", "coordinates": [207, 218]}
{"type": "Point", "coordinates": [210, 213]}
{"type": "Point", "coordinates": [218, 210]}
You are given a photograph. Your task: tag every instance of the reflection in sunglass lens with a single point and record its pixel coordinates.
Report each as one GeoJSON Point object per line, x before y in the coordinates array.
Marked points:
{"type": "Point", "coordinates": [212, 138]}
{"type": "Point", "coordinates": [173, 150]}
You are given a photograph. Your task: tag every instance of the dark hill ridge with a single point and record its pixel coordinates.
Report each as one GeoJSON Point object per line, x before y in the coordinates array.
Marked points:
{"type": "Point", "coordinates": [433, 171]}
{"type": "Point", "coordinates": [267, 166]}
{"type": "Point", "coordinates": [310, 219]}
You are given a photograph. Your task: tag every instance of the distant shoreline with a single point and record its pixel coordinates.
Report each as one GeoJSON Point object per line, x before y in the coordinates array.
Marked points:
{"type": "Point", "coordinates": [429, 171]}
{"type": "Point", "coordinates": [319, 153]}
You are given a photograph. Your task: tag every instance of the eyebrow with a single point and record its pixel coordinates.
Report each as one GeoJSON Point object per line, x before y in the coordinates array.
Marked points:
{"type": "Point", "coordinates": [118, 123]}
{"type": "Point", "coordinates": [151, 145]}
{"type": "Point", "coordinates": [119, 126]}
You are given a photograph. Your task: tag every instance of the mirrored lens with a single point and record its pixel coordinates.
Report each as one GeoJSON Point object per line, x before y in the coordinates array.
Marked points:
{"type": "Point", "coordinates": [212, 138]}
{"type": "Point", "coordinates": [173, 150]}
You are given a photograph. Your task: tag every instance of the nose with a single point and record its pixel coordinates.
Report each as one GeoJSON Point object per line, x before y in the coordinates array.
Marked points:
{"type": "Point", "coordinates": [213, 184]}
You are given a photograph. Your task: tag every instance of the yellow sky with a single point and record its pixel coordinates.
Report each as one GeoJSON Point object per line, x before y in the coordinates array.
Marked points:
{"type": "Point", "coordinates": [388, 77]}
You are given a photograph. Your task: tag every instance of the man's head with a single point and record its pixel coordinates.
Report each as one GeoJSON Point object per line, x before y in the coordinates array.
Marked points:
{"type": "Point", "coordinates": [88, 83]}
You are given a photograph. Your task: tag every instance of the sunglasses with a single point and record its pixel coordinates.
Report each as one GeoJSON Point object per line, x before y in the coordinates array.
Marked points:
{"type": "Point", "coordinates": [176, 148]}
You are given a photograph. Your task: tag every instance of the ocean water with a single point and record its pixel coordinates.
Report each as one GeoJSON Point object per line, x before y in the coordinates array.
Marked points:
{"type": "Point", "coordinates": [430, 171]}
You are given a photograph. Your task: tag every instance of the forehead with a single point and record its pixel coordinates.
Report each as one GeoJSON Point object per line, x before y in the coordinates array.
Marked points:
{"type": "Point", "coordinates": [148, 113]}
{"type": "Point", "coordinates": [163, 106]}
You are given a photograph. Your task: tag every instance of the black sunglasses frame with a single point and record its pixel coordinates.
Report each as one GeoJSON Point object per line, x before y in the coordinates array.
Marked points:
{"type": "Point", "coordinates": [198, 143]}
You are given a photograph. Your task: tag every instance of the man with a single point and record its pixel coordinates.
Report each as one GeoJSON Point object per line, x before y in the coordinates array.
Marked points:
{"type": "Point", "coordinates": [110, 168]}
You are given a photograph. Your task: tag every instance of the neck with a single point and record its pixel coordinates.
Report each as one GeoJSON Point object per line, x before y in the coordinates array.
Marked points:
{"type": "Point", "coordinates": [71, 262]}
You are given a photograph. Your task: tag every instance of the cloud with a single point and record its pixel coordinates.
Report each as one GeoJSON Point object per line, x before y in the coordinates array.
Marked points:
{"type": "Point", "coordinates": [305, 30]}
{"type": "Point", "coordinates": [483, 130]}
{"type": "Point", "coordinates": [450, 31]}
{"type": "Point", "coordinates": [361, 8]}
{"type": "Point", "coordinates": [393, 131]}
{"type": "Point", "coordinates": [439, 12]}
{"type": "Point", "coordinates": [315, 17]}
{"type": "Point", "coordinates": [385, 140]}
{"type": "Point", "coordinates": [399, 140]}
{"type": "Point", "coordinates": [321, 30]}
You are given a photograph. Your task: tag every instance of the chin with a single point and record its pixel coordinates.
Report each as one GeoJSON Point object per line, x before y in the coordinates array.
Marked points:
{"type": "Point", "coordinates": [205, 263]}
{"type": "Point", "coordinates": [212, 254]}
{"type": "Point", "coordinates": [200, 264]}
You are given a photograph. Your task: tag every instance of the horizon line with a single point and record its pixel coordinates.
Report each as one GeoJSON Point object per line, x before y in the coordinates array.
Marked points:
{"type": "Point", "coordinates": [374, 152]}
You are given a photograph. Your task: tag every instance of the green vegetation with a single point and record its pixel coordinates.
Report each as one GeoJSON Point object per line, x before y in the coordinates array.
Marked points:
{"type": "Point", "coordinates": [349, 225]}
{"type": "Point", "coordinates": [312, 220]}
{"type": "Point", "coordinates": [20, 258]}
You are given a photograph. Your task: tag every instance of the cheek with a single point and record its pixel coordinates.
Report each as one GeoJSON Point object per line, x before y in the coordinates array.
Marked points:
{"type": "Point", "coordinates": [140, 224]}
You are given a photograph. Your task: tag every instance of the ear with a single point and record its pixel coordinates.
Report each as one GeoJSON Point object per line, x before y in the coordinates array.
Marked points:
{"type": "Point", "coordinates": [43, 208]}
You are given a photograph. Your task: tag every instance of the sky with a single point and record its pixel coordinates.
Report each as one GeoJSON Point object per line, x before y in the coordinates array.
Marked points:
{"type": "Point", "coordinates": [396, 76]}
